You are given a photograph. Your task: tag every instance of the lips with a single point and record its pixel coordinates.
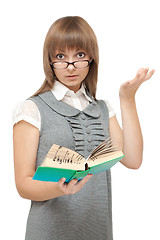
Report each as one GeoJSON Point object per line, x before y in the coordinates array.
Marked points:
{"type": "Point", "coordinates": [72, 76]}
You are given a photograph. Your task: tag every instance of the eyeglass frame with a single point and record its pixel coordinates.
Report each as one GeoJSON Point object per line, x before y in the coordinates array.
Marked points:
{"type": "Point", "coordinates": [68, 63]}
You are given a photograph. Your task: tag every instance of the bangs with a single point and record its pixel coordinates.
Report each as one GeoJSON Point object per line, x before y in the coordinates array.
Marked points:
{"type": "Point", "coordinates": [69, 37]}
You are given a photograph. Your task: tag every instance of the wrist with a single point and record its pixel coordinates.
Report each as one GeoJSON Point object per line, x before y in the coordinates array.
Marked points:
{"type": "Point", "coordinates": [129, 101]}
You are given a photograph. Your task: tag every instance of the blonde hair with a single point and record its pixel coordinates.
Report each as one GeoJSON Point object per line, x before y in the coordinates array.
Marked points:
{"type": "Point", "coordinates": [70, 32]}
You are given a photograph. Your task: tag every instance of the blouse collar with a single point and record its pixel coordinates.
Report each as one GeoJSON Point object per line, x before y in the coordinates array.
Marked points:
{"type": "Point", "coordinates": [60, 91]}
{"type": "Point", "coordinates": [64, 109]}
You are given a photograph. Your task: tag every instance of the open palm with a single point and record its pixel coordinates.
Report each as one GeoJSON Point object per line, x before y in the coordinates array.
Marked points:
{"type": "Point", "coordinates": [129, 88]}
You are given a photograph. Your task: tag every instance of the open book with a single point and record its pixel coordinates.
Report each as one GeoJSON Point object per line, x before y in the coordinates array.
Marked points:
{"type": "Point", "coordinates": [64, 162]}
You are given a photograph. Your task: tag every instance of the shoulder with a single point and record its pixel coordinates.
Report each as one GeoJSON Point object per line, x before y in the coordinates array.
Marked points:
{"type": "Point", "coordinates": [24, 107]}
{"type": "Point", "coordinates": [28, 111]}
{"type": "Point", "coordinates": [110, 108]}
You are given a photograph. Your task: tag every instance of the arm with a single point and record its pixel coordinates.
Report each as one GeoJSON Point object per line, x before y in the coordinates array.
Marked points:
{"type": "Point", "coordinates": [25, 145]}
{"type": "Point", "coordinates": [130, 138]}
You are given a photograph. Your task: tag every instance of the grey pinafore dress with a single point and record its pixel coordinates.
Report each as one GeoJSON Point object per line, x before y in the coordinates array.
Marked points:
{"type": "Point", "coordinates": [86, 214]}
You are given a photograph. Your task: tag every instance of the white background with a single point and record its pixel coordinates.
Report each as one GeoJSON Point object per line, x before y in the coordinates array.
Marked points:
{"type": "Point", "coordinates": [128, 37]}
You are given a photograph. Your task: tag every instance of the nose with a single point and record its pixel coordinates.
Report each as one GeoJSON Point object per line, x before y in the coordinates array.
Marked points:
{"type": "Point", "coordinates": [71, 67]}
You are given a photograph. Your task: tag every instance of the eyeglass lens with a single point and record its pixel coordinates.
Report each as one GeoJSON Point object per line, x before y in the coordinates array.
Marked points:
{"type": "Point", "coordinates": [78, 64]}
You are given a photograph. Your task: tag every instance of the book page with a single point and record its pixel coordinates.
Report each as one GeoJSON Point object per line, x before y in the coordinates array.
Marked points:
{"type": "Point", "coordinates": [61, 157]}
{"type": "Point", "coordinates": [104, 158]}
{"type": "Point", "coordinates": [105, 146]}
{"type": "Point", "coordinates": [103, 153]}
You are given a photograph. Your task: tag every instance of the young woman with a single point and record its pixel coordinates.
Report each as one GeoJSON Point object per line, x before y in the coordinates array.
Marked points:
{"type": "Point", "coordinates": [65, 111]}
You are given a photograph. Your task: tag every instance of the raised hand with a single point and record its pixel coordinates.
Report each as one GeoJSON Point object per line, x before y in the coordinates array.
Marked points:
{"type": "Point", "coordinates": [131, 137]}
{"type": "Point", "coordinates": [128, 89]}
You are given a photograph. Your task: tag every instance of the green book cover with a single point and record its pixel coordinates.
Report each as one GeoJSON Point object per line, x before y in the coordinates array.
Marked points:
{"type": "Point", "coordinates": [63, 162]}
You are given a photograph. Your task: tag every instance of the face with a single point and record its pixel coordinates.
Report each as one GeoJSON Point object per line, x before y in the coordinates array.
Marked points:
{"type": "Point", "coordinates": [71, 77]}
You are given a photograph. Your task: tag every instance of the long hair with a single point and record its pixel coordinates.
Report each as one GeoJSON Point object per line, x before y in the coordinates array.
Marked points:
{"type": "Point", "coordinates": [70, 32]}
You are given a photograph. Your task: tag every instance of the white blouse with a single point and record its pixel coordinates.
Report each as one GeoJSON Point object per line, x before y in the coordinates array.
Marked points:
{"type": "Point", "coordinates": [29, 112]}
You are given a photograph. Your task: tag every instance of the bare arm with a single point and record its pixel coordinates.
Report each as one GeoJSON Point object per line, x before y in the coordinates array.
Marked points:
{"type": "Point", "coordinates": [25, 143]}
{"type": "Point", "coordinates": [130, 138]}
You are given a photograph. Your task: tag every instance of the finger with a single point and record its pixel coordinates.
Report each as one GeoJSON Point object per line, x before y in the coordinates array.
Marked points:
{"type": "Point", "coordinates": [149, 75]}
{"type": "Point", "coordinates": [143, 70]}
{"type": "Point", "coordinates": [71, 184]}
{"type": "Point", "coordinates": [61, 182]}
{"type": "Point", "coordinates": [81, 183]}
{"type": "Point", "coordinates": [140, 76]}
{"type": "Point", "coordinates": [143, 74]}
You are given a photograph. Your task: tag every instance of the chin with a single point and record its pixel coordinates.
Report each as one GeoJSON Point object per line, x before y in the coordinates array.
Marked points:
{"type": "Point", "coordinates": [72, 83]}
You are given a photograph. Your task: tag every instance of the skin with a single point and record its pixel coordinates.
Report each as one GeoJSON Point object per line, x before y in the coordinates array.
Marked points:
{"type": "Point", "coordinates": [129, 138]}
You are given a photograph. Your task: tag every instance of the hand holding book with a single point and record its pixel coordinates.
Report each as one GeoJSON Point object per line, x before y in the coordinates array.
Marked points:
{"type": "Point", "coordinates": [73, 186]}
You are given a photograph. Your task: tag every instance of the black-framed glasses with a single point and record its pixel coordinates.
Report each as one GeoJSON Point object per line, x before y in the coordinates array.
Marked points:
{"type": "Point", "coordinates": [77, 64]}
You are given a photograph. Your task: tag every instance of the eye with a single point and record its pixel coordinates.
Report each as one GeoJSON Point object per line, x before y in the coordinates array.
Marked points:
{"type": "Point", "coordinates": [60, 56]}
{"type": "Point", "coordinates": [81, 55]}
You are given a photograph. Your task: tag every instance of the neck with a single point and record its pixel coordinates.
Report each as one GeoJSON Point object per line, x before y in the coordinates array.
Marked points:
{"type": "Point", "coordinates": [74, 88]}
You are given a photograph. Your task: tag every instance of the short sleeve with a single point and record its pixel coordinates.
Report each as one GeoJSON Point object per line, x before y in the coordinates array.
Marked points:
{"type": "Point", "coordinates": [27, 111]}
{"type": "Point", "coordinates": [110, 109]}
